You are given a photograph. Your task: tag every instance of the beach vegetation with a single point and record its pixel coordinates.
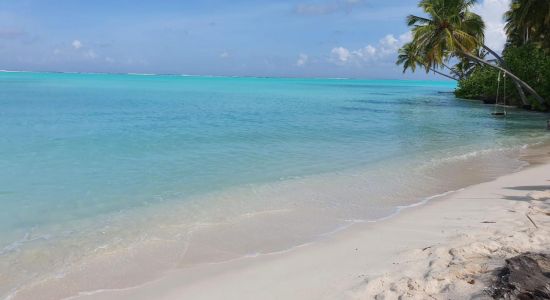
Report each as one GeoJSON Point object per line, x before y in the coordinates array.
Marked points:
{"type": "Point", "coordinates": [409, 58]}
{"type": "Point", "coordinates": [528, 61]}
{"type": "Point", "coordinates": [450, 32]}
{"type": "Point", "coordinates": [528, 22]}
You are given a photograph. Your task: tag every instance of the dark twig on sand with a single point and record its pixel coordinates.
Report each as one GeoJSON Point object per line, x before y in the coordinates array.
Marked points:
{"type": "Point", "coordinates": [534, 224]}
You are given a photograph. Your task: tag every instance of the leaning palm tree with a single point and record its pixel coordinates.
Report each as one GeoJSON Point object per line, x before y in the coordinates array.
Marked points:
{"type": "Point", "coordinates": [409, 57]}
{"type": "Point", "coordinates": [465, 67]}
{"type": "Point", "coordinates": [451, 29]}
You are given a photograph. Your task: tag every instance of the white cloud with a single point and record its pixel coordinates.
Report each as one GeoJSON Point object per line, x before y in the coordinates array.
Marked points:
{"type": "Point", "coordinates": [389, 44]}
{"type": "Point", "coordinates": [369, 51]}
{"type": "Point", "coordinates": [224, 54]}
{"type": "Point", "coordinates": [302, 60]}
{"type": "Point", "coordinates": [492, 12]}
{"type": "Point", "coordinates": [364, 54]}
{"type": "Point", "coordinates": [386, 47]}
{"type": "Point", "coordinates": [340, 55]}
{"type": "Point", "coordinates": [85, 52]}
{"type": "Point", "coordinates": [90, 54]}
{"type": "Point", "coordinates": [77, 44]}
{"type": "Point", "coordinates": [406, 37]}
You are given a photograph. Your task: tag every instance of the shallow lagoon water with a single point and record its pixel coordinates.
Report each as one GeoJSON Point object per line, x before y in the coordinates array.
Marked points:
{"type": "Point", "coordinates": [91, 163]}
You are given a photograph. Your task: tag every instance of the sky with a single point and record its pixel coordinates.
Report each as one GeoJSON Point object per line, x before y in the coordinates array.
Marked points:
{"type": "Point", "coordinates": [295, 38]}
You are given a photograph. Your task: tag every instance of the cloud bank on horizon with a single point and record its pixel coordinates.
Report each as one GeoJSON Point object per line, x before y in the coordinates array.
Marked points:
{"type": "Point", "coordinates": [321, 38]}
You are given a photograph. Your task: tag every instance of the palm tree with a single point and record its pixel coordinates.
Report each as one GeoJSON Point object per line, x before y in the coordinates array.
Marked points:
{"type": "Point", "coordinates": [410, 59]}
{"type": "Point", "coordinates": [529, 21]}
{"type": "Point", "coordinates": [451, 29]}
{"type": "Point", "coordinates": [465, 67]}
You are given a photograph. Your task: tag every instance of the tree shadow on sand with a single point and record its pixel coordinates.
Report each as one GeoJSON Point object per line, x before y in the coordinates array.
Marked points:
{"type": "Point", "coordinates": [541, 188]}
{"type": "Point", "coordinates": [518, 198]}
{"type": "Point", "coordinates": [537, 192]}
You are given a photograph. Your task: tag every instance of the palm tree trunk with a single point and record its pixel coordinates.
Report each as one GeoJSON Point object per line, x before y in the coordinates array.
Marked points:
{"type": "Point", "coordinates": [503, 64]}
{"type": "Point", "coordinates": [510, 74]}
{"type": "Point", "coordinates": [451, 71]}
{"type": "Point", "coordinates": [449, 68]}
{"type": "Point", "coordinates": [442, 74]}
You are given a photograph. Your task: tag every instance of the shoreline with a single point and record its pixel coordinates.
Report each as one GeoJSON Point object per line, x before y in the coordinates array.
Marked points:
{"type": "Point", "coordinates": [332, 268]}
{"type": "Point", "coordinates": [536, 154]}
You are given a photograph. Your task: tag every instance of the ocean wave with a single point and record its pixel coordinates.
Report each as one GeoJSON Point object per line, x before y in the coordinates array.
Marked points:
{"type": "Point", "coordinates": [477, 153]}
{"type": "Point", "coordinates": [17, 245]}
{"type": "Point", "coordinates": [142, 74]}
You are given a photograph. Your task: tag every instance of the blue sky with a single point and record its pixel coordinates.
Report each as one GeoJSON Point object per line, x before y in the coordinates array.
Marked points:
{"type": "Point", "coordinates": [320, 38]}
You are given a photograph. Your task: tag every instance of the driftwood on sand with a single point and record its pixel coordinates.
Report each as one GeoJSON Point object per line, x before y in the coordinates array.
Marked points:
{"type": "Point", "coordinates": [526, 276]}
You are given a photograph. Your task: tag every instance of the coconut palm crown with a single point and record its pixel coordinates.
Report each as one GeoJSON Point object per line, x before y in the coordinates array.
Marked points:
{"type": "Point", "coordinates": [450, 27]}
{"type": "Point", "coordinates": [408, 57]}
{"type": "Point", "coordinates": [529, 21]}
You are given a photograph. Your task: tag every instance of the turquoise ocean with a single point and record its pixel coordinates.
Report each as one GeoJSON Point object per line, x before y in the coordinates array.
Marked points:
{"type": "Point", "coordinates": [207, 169]}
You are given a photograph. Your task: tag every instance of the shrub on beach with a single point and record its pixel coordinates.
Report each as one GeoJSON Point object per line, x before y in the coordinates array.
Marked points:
{"type": "Point", "coordinates": [480, 85]}
{"type": "Point", "coordinates": [531, 64]}
{"type": "Point", "coordinates": [527, 62]}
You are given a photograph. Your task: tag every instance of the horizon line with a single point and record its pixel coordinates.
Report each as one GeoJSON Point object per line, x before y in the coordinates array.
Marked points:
{"type": "Point", "coordinates": [213, 76]}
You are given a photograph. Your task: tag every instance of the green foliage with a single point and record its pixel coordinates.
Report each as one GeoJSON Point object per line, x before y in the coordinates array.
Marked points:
{"type": "Point", "coordinates": [480, 85]}
{"type": "Point", "coordinates": [408, 57]}
{"type": "Point", "coordinates": [528, 21]}
{"type": "Point", "coordinates": [528, 62]}
{"type": "Point", "coordinates": [531, 64]}
{"type": "Point", "coordinates": [448, 27]}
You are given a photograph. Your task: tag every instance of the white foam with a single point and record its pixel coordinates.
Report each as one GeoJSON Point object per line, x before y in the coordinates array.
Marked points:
{"type": "Point", "coordinates": [16, 245]}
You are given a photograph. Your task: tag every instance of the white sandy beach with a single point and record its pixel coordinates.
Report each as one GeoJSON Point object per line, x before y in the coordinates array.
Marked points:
{"type": "Point", "coordinates": [445, 249]}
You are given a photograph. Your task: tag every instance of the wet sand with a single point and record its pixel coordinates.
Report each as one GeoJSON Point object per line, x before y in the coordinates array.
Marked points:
{"type": "Point", "coordinates": [447, 248]}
